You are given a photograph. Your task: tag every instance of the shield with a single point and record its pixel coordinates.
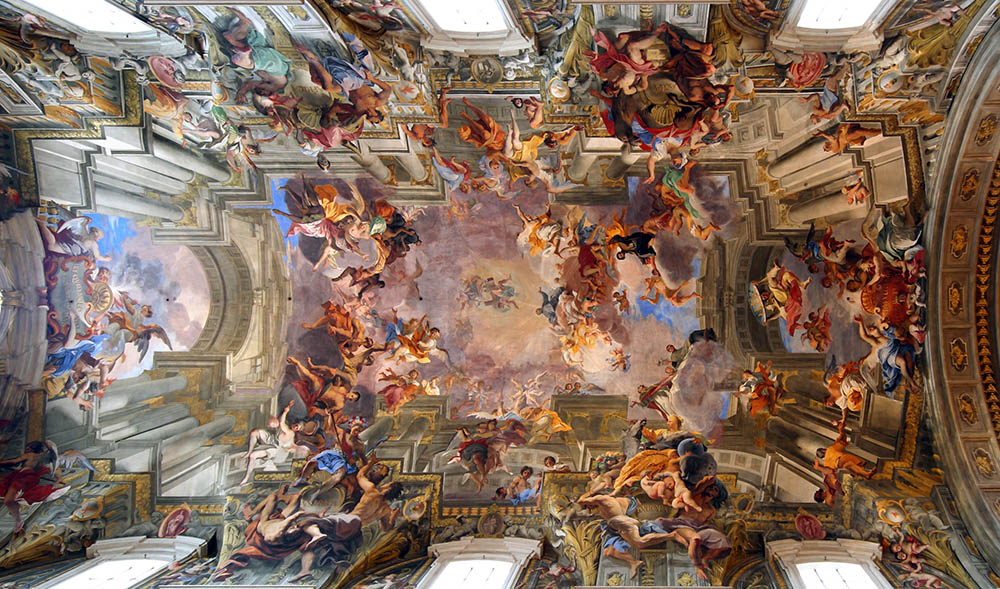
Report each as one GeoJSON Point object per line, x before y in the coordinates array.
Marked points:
{"type": "Point", "coordinates": [760, 310]}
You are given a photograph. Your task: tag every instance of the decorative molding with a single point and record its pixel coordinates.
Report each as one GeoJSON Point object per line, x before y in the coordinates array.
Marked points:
{"type": "Point", "coordinates": [789, 553]}
{"type": "Point", "coordinates": [516, 551]}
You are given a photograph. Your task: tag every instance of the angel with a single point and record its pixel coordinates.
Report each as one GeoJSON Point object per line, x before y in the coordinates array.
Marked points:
{"type": "Point", "coordinates": [418, 343]}
{"type": "Point", "coordinates": [402, 388]}
{"type": "Point", "coordinates": [423, 133]}
{"type": "Point", "coordinates": [456, 174]}
{"type": "Point", "coordinates": [69, 460]}
{"type": "Point", "coordinates": [523, 153]}
{"type": "Point", "coordinates": [532, 109]}
{"type": "Point", "coordinates": [619, 360]}
{"type": "Point", "coordinates": [544, 233]}
{"type": "Point", "coordinates": [645, 463]}
{"type": "Point", "coordinates": [855, 190]}
{"type": "Point", "coordinates": [72, 237]}
{"type": "Point", "coordinates": [482, 451]}
{"type": "Point", "coordinates": [545, 423]}
{"type": "Point", "coordinates": [622, 301]}
{"type": "Point", "coordinates": [251, 51]}
{"type": "Point", "coordinates": [846, 135]}
{"type": "Point", "coordinates": [656, 289]}
{"type": "Point", "coordinates": [896, 354]}
{"type": "Point", "coordinates": [131, 322]}
{"type": "Point", "coordinates": [817, 329]}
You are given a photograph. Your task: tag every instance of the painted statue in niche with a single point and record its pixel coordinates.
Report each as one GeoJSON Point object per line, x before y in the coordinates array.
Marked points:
{"type": "Point", "coordinates": [114, 298]}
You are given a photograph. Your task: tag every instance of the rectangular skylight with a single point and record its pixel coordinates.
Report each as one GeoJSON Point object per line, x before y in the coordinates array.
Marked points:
{"type": "Point", "coordinates": [466, 16]}
{"type": "Point", "coordinates": [835, 575]}
{"type": "Point", "coordinates": [98, 16]}
{"type": "Point", "coordinates": [113, 574]}
{"type": "Point", "coordinates": [839, 14]}
{"type": "Point", "coordinates": [477, 574]}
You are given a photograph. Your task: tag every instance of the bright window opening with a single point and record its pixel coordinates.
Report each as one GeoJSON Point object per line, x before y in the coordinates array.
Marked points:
{"type": "Point", "coordinates": [479, 16]}
{"type": "Point", "coordinates": [835, 575]}
{"type": "Point", "coordinates": [113, 574]}
{"type": "Point", "coordinates": [97, 16]}
{"type": "Point", "coordinates": [477, 574]}
{"type": "Point", "coordinates": [842, 14]}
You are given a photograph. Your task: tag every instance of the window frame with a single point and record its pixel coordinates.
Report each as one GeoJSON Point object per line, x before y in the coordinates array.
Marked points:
{"type": "Point", "coordinates": [790, 553]}
{"type": "Point", "coordinates": [864, 37]}
{"type": "Point", "coordinates": [167, 550]}
{"type": "Point", "coordinates": [503, 43]}
{"type": "Point", "coordinates": [516, 551]}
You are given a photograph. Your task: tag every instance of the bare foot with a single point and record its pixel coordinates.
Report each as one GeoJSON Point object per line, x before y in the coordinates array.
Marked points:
{"type": "Point", "coordinates": [312, 543]}
{"type": "Point", "coordinates": [634, 568]}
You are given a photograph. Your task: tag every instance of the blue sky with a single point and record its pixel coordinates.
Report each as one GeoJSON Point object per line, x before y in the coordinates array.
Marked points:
{"type": "Point", "coordinates": [682, 319]}
{"type": "Point", "coordinates": [116, 231]}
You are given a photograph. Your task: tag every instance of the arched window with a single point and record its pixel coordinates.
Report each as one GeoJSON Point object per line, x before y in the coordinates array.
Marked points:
{"type": "Point", "coordinates": [829, 564]}
{"type": "Point", "coordinates": [480, 563]}
{"type": "Point", "coordinates": [122, 563]}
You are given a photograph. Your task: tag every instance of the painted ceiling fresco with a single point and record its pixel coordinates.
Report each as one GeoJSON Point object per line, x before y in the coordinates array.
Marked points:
{"type": "Point", "coordinates": [326, 283]}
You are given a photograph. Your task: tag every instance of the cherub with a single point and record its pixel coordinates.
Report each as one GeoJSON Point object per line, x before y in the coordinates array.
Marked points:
{"type": "Point", "coordinates": [817, 329]}
{"type": "Point", "coordinates": [622, 301]}
{"type": "Point", "coordinates": [907, 551]}
{"type": "Point", "coordinates": [846, 135]}
{"type": "Point", "coordinates": [656, 289]}
{"type": "Point", "coordinates": [620, 360]}
{"type": "Point", "coordinates": [856, 190]}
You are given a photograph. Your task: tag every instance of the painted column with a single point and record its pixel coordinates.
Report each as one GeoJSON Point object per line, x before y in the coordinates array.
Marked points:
{"type": "Point", "coordinates": [176, 447]}
{"type": "Point", "coordinates": [580, 167]}
{"type": "Point", "coordinates": [808, 155]}
{"type": "Point", "coordinates": [168, 430]}
{"type": "Point", "coordinates": [139, 175]}
{"type": "Point", "coordinates": [621, 164]}
{"type": "Point", "coordinates": [834, 203]}
{"type": "Point", "coordinates": [140, 390]}
{"type": "Point", "coordinates": [159, 165]}
{"type": "Point", "coordinates": [135, 204]}
{"type": "Point", "coordinates": [173, 153]}
{"type": "Point", "coordinates": [413, 165]}
{"type": "Point", "coordinates": [373, 165]}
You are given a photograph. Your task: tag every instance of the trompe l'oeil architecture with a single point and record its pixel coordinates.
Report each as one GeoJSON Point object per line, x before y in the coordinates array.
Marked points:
{"type": "Point", "coordinates": [499, 294]}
